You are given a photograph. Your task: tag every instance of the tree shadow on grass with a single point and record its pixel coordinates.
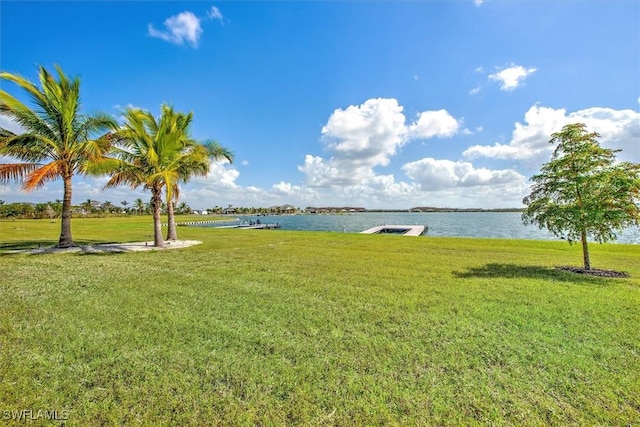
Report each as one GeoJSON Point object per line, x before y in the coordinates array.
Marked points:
{"type": "Point", "coordinates": [27, 244]}
{"type": "Point", "coordinates": [92, 252]}
{"type": "Point", "coordinates": [513, 271]}
{"type": "Point", "coordinates": [41, 247]}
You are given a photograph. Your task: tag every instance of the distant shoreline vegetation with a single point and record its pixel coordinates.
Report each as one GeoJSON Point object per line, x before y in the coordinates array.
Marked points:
{"type": "Point", "coordinates": [52, 209]}
{"type": "Point", "coordinates": [416, 209]}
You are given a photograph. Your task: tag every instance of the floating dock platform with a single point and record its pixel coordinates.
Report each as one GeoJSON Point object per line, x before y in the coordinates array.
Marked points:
{"type": "Point", "coordinates": [405, 230]}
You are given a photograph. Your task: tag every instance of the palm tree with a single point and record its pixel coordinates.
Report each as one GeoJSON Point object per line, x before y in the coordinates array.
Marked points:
{"type": "Point", "coordinates": [194, 159]}
{"type": "Point", "coordinates": [142, 149]}
{"type": "Point", "coordinates": [87, 206]}
{"type": "Point", "coordinates": [124, 204]}
{"type": "Point", "coordinates": [139, 205]}
{"type": "Point", "coordinates": [107, 206]}
{"type": "Point", "coordinates": [156, 154]}
{"type": "Point", "coordinates": [183, 208]}
{"type": "Point", "coordinates": [57, 142]}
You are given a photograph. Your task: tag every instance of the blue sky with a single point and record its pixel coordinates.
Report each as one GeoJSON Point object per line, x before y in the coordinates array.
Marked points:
{"type": "Point", "coordinates": [377, 104]}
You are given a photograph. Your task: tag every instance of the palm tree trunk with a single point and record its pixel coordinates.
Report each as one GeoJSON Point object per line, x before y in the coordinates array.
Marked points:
{"type": "Point", "coordinates": [585, 251]}
{"type": "Point", "coordinates": [66, 240]}
{"type": "Point", "coordinates": [156, 204]}
{"type": "Point", "coordinates": [171, 222]}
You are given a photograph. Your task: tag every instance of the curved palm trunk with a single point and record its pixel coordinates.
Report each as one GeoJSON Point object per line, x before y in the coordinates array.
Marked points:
{"type": "Point", "coordinates": [66, 240]}
{"type": "Point", "coordinates": [172, 234]}
{"type": "Point", "coordinates": [585, 251]}
{"type": "Point", "coordinates": [156, 204]}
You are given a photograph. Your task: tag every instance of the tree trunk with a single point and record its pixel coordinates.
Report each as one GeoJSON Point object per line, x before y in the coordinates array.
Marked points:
{"type": "Point", "coordinates": [172, 234]}
{"type": "Point", "coordinates": [66, 241]}
{"type": "Point", "coordinates": [156, 204]}
{"type": "Point", "coordinates": [585, 251]}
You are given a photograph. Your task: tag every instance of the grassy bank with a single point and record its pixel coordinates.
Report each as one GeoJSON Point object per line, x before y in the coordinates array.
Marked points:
{"type": "Point", "coordinates": [279, 327]}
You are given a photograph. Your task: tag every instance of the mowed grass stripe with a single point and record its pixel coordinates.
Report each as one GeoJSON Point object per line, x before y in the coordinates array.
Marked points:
{"type": "Point", "coordinates": [307, 328]}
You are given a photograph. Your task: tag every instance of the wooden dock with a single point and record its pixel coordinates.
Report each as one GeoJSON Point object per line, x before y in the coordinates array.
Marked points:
{"type": "Point", "coordinates": [225, 223]}
{"type": "Point", "coordinates": [405, 230]}
{"type": "Point", "coordinates": [259, 226]}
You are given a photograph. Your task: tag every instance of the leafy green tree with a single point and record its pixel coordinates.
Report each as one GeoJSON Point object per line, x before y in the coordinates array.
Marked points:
{"type": "Point", "coordinates": [23, 210]}
{"type": "Point", "coordinates": [38, 210]}
{"type": "Point", "coordinates": [582, 192]}
{"type": "Point", "coordinates": [57, 141]}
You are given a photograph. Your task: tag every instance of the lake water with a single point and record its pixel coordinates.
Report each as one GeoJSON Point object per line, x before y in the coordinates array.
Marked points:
{"type": "Point", "coordinates": [453, 224]}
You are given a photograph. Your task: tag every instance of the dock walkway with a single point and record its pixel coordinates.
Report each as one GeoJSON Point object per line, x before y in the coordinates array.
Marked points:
{"type": "Point", "coordinates": [259, 226]}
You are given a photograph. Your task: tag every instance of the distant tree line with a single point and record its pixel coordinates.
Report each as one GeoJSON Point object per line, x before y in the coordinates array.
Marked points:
{"type": "Point", "coordinates": [88, 208]}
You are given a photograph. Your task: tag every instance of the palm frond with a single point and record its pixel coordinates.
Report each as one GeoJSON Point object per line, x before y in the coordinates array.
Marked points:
{"type": "Point", "coordinates": [4, 134]}
{"type": "Point", "coordinates": [102, 166]}
{"type": "Point", "coordinates": [126, 175]}
{"type": "Point", "coordinates": [118, 179]}
{"type": "Point", "coordinates": [23, 82]}
{"type": "Point", "coordinates": [16, 171]}
{"type": "Point", "coordinates": [27, 147]}
{"type": "Point", "coordinates": [91, 126]}
{"type": "Point", "coordinates": [216, 151]}
{"type": "Point", "coordinates": [39, 177]}
{"type": "Point", "coordinates": [24, 116]}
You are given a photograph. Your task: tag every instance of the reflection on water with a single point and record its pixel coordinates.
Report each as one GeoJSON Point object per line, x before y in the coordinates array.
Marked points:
{"type": "Point", "coordinates": [453, 224]}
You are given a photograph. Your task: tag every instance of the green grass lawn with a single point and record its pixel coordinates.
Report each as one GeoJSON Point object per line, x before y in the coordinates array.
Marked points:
{"type": "Point", "coordinates": [258, 327]}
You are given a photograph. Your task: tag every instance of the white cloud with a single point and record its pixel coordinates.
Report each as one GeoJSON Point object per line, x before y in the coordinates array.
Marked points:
{"type": "Point", "coordinates": [181, 28]}
{"type": "Point", "coordinates": [478, 2]}
{"type": "Point", "coordinates": [214, 13]}
{"type": "Point", "coordinates": [475, 90]}
{"type": "Point", "coordinates": [368, 134]}
{"type": "Point", "coordinates": [619, 129]}
{"type": "Point", "coordinates": [433, 175]}
{"type": "Point", "coordinates": [220, 175]}
{"type": "Point", "coordinates": [431, 124]}
{"type": "Point", "coordinates": [8, 124]}
{"type": "Point", "coordinates": [511, 77]}
{"type": "Point", "coordinates": [286, 188]}
{"type": "Point", "coordinates": [219, 188]}
{"type": "Point", "coordinates": [361, 138]}
{"type": "Point", "coordinates": [335, 172]}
